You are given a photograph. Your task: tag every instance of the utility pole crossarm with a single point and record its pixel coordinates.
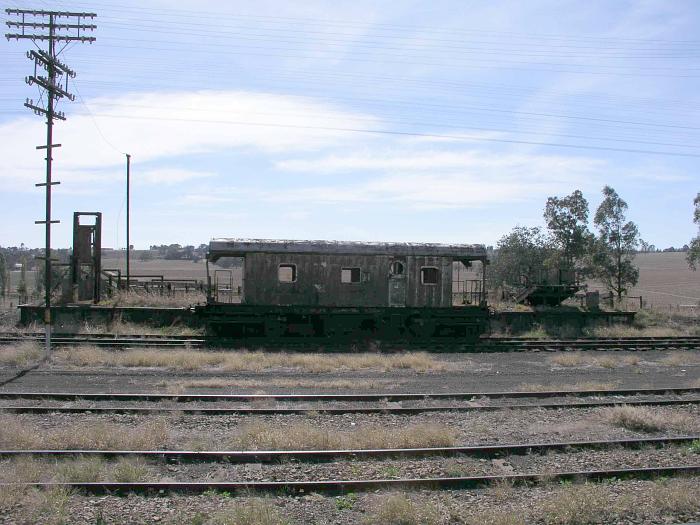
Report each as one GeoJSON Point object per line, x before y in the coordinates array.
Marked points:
{"type": "Point", "coordinates": [57, 14]}
{"type": "Point", "coordinates": [57, 38]}
{"type": "Point", "coordinates": [44, 25]}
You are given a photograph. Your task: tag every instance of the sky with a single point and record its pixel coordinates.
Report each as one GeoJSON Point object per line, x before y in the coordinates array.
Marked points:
{"type": "Point", "coordinates": [426, 121]}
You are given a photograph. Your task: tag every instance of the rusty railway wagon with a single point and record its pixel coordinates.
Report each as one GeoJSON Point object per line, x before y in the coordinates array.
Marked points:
{"type": "Point", "coordinates": [326, 292]}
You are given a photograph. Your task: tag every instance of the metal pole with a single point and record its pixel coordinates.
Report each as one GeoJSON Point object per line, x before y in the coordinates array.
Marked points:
{"type": "Point", "coordinates": [128, 166]}
{"type": "Point", "coordinates": [49, 151]}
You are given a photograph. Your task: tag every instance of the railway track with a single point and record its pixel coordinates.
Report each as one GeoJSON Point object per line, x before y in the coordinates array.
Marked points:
{"type": "Point", "coordinates": [486, 344]}
{"type": "Point", "coordinates": [354, 485]}
{"type": "Point", "coordinates": [276, 456]}
{"type": "Point", "coordinates": [391, 397]}
{"type": "Point", "coordinates": [29, 409]}
{"type": "Point", "coordinates": [367, 478]}
{"type": "Point", "coordinates": [373, 403]}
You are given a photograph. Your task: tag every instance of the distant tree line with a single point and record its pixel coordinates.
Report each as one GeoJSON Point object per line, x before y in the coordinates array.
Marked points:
{"type": "Point", "coordinates": [175, 252]}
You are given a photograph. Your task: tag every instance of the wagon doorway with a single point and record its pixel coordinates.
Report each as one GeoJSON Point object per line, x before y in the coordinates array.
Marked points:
{"type": "Point", "coordinates": [398, 283]}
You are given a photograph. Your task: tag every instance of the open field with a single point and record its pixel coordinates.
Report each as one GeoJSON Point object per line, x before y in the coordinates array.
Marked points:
{"type": "Point", "coordinates": [665, 279]}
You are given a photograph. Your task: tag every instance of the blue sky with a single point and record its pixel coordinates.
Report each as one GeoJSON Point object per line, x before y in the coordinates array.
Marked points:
{"type": "Point", "coordinates": [436, 121]}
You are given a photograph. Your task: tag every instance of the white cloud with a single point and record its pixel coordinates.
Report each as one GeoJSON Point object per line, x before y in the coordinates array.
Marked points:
{"type": "Point", "coordinates": [435, 179]}
{"type": "Point", "coordinates": [157, 126]}
{"type": "Point", "coordinates": [504, 165]}
{"type": "Point", "coordinates": [421, 180]}
{"type": "Point", "coordinates": [171, 176]}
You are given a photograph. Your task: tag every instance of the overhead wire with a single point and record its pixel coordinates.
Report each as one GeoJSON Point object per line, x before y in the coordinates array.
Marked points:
{"type": "Point", "coordinates": [462, 138]}
{"type": "Point", "coordinates": [464, 108]}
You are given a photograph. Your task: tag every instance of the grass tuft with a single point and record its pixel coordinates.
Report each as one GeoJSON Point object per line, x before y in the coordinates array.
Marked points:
{"type": "Point", "coordinates": [257, 511]}
{"type": "Point", "coordinates": [244, 361]}
{"type": "Point", "coordinates": [307, 436]}
{"type": "Point", "coordinates": [398, 509]}
{"type": "Point", "coordinates": [574, 359]}
{"type": "Point", "coordinates": [130, 470]}
{"type": "Point", "coordinates": [178, 387]}
{"type": "Point", "coordinates": [581, 385]}
{"type": "Point", "coordinates": [143, 298]}
{"type": "Point", "coordinates": [577, 505]}
{"type": "Point", "coordinates": [18, 433]}
{"type": "Point", "coordinates": [20, 354]}
{"type": "Point", "coordinates": [680, 358]}
{"type": "Point", "coordinates": [643, 419]}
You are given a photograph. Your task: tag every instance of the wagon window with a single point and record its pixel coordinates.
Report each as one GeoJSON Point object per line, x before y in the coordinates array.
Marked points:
{"type": "Point", "coordinates": [397, 268]}
{"type": "Point", "coordinates": [429, 275]}
{"type": "Point", "coordinates": [350, 275]}
{"type": "Point", "coordinates": [287, 273]}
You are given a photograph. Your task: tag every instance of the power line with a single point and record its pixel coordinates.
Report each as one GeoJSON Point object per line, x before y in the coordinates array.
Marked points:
{"type": "Point", "coordinates": [188, 14]}
{"type": "Point", "coordinates": [462, 138]}
{"type": "Point", "coordinates": [411, 122]}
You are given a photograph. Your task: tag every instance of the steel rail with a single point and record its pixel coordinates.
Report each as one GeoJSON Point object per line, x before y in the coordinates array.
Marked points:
{"type": "Point", "coordinates": [389, 397]}
{"type": "Point", "coordinates": [271, 456]}
{"type": "Point", "coordinates": [486, 344]}
{"type": "Point", "coordinates": [206, 411]}
{"type": "Point", "coordinates": [340, 486]}
{"type": "Point", "coordinates": [486, 339]}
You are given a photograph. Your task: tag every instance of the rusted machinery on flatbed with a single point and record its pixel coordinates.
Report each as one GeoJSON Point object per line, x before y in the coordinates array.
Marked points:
{"type": "Point", "coordinates": [324, 291]}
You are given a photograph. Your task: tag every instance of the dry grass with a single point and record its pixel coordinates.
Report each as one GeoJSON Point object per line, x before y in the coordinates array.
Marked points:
{"type": "Point", "coordinates": [677, 495]}
{"type": "Point", "coordinates": [18, 433]}
{"type": "Point", "coordinates": [143, 298]}
{"type": "Point", "coordinates": [254, 511]}
{"type": "Point", "coordinates": [569, 359]}
{"type": "Point", "coordinates": [398, 509]}
{"type": "Point", "coordinates": [73, 470]}
{"type": "Point", "coordinates": [502, 491]}
{"type": "Point", "coordinates": [48, 507]}
{"type": "Point", "coordinates": [308, 436]}
{"type": "Point", "coordinates": [178, 387]}
{"type": "Point", "coordinates": [575, 359]}
{"type": "Point", "coordinates": [120, 327]}
{"type": "Point", "coordinates": [244, 361]}
{"type": "Point", "coordinates": [643, 419]}
{"type": "Point", "coordinates": [578, 504]}
{"type": "Point", "coordinates": [130, 470]}
{"type": "Point", "coordinates": [632, 331]}
{"type": "Point", "coordinates": [493, 517]}
{"type": "Point", "coordinates": [680, 358]}
{"type": "Point", "coordinates": [20, 354]}
{"type": "Point", "coordinates": [589, 503]}
{"type": "Point", "coordinates": [581, 385]}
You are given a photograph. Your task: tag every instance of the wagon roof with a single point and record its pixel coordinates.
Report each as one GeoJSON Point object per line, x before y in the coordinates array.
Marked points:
{"type": "Point", "coordinates": [239, 247]}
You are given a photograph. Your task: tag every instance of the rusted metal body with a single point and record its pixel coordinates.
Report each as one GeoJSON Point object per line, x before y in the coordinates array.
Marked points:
{"type": "Point", "coordinates": [548, 287]}
{"type": "Point", "coordinates": [322, 273]}
{"type": "Point", "coordinates": [339, 290]}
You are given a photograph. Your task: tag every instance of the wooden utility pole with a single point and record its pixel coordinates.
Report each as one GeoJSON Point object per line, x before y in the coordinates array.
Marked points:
{"type": "Point", "coordinates": [128, 246]}
{"type": "Point", "coordinates": [38, 25]}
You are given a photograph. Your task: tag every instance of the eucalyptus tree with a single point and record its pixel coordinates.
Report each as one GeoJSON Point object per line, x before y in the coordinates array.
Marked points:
{"type": "Point", "coordinates": [615, 245]}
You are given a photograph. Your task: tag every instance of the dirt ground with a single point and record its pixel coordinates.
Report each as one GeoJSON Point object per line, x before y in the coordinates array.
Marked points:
{"type": "Point", "coordinates": [463, 372]}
